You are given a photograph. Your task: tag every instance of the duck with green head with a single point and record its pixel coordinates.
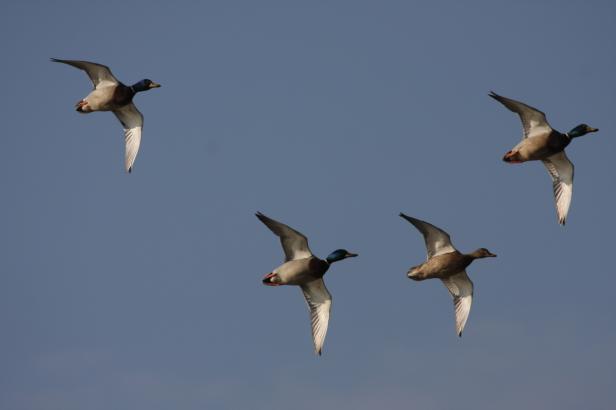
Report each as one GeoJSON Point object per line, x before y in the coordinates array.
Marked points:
{"type": "Point", "coordinates": [542, 143]}
{"type": "Point", "coordinates": [109, 94]}
{"type": "Point", "coordinates": [301, 268]}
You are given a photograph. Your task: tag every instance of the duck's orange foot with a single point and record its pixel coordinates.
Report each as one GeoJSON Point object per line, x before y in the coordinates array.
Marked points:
{"type": "Point", "coordinates": [513, 157]}
{"type": "Point", "coordinates": [82, 106]}
{"type": "Point", "coordinates": [268, 280]}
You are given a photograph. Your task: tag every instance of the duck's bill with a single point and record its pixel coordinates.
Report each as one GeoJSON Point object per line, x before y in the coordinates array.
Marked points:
{"type": "Point", "coordinates": [154, 85]}
{"type": "Point", "coordinates": [591, 129]}
{"type": "Point", "coordinates": [492, 255]}
{"type": "Point", "coordinates": [351, 255]}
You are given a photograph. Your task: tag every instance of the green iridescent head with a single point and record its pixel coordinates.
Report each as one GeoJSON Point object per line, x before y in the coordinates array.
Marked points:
{"type": "Point", "coordinates": [144, 85]}
{"type": "Point", "coordinates": [338, 255]}
{"type": "Point", "coordinates": [580, 130]}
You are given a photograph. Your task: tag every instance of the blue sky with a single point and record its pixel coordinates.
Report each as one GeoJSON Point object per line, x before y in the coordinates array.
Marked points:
{"type": "Point", "coordinates": [144, 291]}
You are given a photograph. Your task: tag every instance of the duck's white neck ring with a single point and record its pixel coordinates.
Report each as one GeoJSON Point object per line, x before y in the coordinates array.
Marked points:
{"type": "Point", "coordinates": [567, 136]}
{"type": "Point", "coordinates": [135, 92]}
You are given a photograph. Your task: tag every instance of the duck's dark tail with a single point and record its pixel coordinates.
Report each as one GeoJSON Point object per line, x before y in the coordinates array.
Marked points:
{"type": "Point", "coordinates": [82, 107]}
{"type": "Point", "coordinates": [271, 279]}
{"type": "Point", "coordinates": [413, 273]}
{"type": "Point", "coordinates": [512, 157]}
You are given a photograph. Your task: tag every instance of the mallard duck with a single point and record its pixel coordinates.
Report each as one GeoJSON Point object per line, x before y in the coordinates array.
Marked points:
{"type": "Point", "coordinates": [541, 142]}
{"type": "Point", "coordinates": [447, 264]}
{"type": "Point", "coordinates": [109, 94]}
{"type": "Point", "coordinates": [303, 269]}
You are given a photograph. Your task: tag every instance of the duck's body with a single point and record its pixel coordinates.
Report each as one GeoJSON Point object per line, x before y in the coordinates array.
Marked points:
{"type": "Point", "coordinates": [441, 266]}
{"type": "Point", "coordinates": [301, 268]}
{"type": "Point", "coordinates": [109, 94]}
{"type": "Point", "coordinates": [106, 98]}
{"type": "Point", "coordinates": [542, 143]}
{"type": "Point", "coordinates": [446, 263]}
{"type": "Point", "coordinates": [538, 148]}
{"type": "Point", "coordinates": [297, 272]}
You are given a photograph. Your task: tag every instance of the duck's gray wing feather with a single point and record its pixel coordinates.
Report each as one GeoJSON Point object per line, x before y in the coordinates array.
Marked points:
{"type": "Point", "coordinates": [99, 74]}
{"type": "Point", "coordinates": [561, 171]}
{"type": "Point", "coordinates": [461, 288]}
{"type": "Point", "coordinates": [437, 241]}
{"type": "Point", "coordinates": [534, 122]}
{"type": "Point", "coordinates": [319, 302]}
{"type": "Point", "coordinates": [132, 122]}
{"type": "Point", "coordinates": [294, 243]}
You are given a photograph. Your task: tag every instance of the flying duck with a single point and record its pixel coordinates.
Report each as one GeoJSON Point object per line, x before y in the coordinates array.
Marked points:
{"type": "Point", "coordinates": [301, 268]}
{"type": "Point", "coordinates": [541, 142]}
{"type": "Point", "coordinates": [447, 264]}
{"type": "Point", "coordinates": [109, 94]}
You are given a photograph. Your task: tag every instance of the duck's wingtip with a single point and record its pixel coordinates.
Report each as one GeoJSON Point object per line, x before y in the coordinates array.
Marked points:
{"type": "Point", "coordinates": [406, 217]}
{"type": "Point", "coordinates": [261, 216]}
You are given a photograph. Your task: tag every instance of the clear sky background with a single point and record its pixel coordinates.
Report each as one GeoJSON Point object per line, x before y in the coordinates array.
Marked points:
{"type": "Point", "coordinates": [143, 291]}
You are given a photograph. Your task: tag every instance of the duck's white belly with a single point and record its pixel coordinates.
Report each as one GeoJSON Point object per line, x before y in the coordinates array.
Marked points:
{"type": "Point", "coordinates": [294, 272]}
{"type": "Point", "coordinates": [101, 99]}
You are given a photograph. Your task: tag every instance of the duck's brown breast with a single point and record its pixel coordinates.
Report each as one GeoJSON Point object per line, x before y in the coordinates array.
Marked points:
{"type": "Point", "coordinates": [317, 267]}
{"type": "Point", "coordinates": [122, 95]}
{"type": "Point", "coordinates": [538, 148]}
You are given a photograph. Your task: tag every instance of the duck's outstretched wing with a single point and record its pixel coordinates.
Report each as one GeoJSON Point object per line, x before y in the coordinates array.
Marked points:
{"type": "Point", "coordinates": [319, 302]}
{"type": "Point", "coordinates": [437, 240]}
{"type": "Point", "coordinates": [534, 122]}
{"type": "Point", "coordinates": [294, 244]}
{"type": "Point", "coordinates": [561, 170]}
{"type": "Point", "coordinates": [100, 75]}
{"type": "Point", "coordinates": [132, 122]}
{"type": "Point", "coordinates": [461, 288]}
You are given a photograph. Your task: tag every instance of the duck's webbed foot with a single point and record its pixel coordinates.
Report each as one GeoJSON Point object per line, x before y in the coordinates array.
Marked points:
{"type": "Point", "coordinates": [82, 106]}
{"type": "Point", "coordinates": [271, 279]}
{"type": "Point", "coordinates": [513, 157]}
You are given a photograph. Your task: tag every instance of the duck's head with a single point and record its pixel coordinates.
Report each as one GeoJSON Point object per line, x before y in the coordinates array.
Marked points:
{"type": "Point", "coordinates": [580, 130]}
{"type": "Point", "coordinates": [483, 253]}
{"type": "Point", "coordinates": [144, 85]}
{"type": "Point", "coordinates": [338, 255]}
